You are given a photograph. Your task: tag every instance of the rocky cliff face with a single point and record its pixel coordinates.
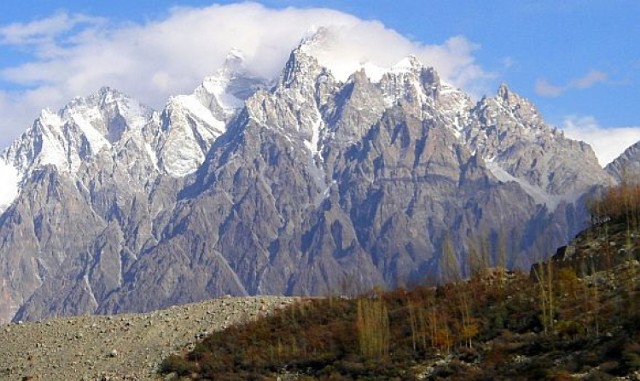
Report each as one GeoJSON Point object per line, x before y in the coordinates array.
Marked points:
{"type": "Point", "coordinates": [308, 186]}
{"type": "Point", "coordinates": [627, 166]}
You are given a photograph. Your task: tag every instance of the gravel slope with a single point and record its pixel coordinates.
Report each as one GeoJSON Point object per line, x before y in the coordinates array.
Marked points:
{"type": "Point", "coordinates": [119, 347]}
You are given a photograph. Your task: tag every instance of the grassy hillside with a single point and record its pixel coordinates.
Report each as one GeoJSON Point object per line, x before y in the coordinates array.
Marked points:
{"type": "Point", "coordinates": [550, 324]}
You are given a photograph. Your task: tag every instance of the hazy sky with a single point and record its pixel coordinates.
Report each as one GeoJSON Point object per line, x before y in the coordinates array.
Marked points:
{"type": "Point", "coordinates": [577, 60]}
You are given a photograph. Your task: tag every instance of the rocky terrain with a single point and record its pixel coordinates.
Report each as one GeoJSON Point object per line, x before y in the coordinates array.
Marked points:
{"type": "Point", "coordinates": [119, 347]}
{"type": "Point", "coordinates": [298, 185]}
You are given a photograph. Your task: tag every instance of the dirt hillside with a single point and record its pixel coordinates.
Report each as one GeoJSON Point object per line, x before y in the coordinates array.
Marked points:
{"type": "Point", "coordinates": [119, 347]}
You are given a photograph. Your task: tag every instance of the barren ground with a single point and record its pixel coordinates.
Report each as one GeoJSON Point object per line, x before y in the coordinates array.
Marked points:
{"type": "Point", "coordinates": [118, 347]}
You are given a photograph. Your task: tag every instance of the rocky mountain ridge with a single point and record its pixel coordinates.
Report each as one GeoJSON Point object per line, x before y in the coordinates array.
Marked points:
{"type": "Point", "coordinates": [303, 185]}
{"type": "Point", "coordinates": [626, 168]}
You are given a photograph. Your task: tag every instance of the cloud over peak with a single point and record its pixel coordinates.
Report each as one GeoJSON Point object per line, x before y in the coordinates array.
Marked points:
{"type": "Point", "coordinates": [608, 143]}
{"type": "Point", "coordinates": [73, 55]}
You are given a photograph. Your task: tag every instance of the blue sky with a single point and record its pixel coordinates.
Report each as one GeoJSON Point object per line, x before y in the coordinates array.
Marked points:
{"type": "Point", "coordinates": [577, 60]}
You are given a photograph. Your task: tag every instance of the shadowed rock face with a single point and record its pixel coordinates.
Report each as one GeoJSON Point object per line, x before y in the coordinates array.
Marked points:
{"type": "Point", "coordinates": [312, 187]}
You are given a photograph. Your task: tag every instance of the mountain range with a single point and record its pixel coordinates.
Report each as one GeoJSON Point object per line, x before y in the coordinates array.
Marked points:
{"type": "Point", "coordinates": [301, 184]}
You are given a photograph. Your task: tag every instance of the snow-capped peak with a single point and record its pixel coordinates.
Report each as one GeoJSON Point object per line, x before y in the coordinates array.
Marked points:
{"type": "Point", "coordinates": [233, 65]}
{"type": "Point", "coordinates": [408, 64]}
{"type": "Point", "coordinates": [336, 53]}
{"type": "Point", "coordinates": [331, 51]}
{"type": "Point", "coordinates": [80, 130]}
{"type": "Point", "coordinates": [191, 123]}
{"type": "Point", "coordinates": [316, 39]}
{"type": "Point", "coordinates": [220, 95]}
{"type": "Point", "coordinates": [520, 108]}
{"type": "Point", "coordinates": [105, 105]}
{"type": "Point", "coordinates": [326, 48]}
{"type": "Point", "coordinates": [235, 54]}
{"type": "Point", "coordinates": [231, 85]}
{"type": "Point", "coordinates": [505, 96]}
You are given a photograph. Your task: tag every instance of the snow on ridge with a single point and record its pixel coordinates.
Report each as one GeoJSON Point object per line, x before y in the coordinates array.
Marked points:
{"type": "Point", "coordinates": [181, 152]}
{"type": "Point", "coordinates": [50, 118]}
{"type": "Point", "coordinates": [97, 141]}
{"type": "Point", "coordinates": [342, 70]}
{"type": "Point", "coordinates": [312, 144]}
{"type": "Point", "coordinates": [539, 196]}
{"type": "Point", "coordinates": [331, 53]}
{"type": "Point", "coordinates": [374, 72]}
{"type": "Point", "coordinates": [81, 128]}
{"type": "Point", "coordinates": [52, 150]}
{"type": "Point", "coordinates": [10, 178]}
{"type": "Point", "coordinates": [216, 85]}
{"type": "Point", "coordinates": [323, 45]}
{"type": "Point", "coordinates": [68, 137]}
{"type": "Point", "coordinates": [197, 109]}
{"type": "Point", "coordinates": [406, 65]}
{"type": "Point", "coordinates": [136, 114]}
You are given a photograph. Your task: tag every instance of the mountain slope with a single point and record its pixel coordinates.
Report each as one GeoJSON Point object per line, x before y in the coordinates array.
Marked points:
{"type": "Point", "coordinates": [627, 166]}
{"type": "Point", "coordinates": [311, 186]}
{"type": "Point", "coordinates": [92, 177]}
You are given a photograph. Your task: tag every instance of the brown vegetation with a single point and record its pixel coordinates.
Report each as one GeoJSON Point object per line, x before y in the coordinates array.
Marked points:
{"type": "Point", "coordinates": [483, 330]}
{"type": "Point", "coordinates": [616, 204]}
{"type": "Point", "coordinates": [494, 325]}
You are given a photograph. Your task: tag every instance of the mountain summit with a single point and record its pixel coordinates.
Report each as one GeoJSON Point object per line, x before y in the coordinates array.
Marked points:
{"type": "Point", "coordinates": [310, 183]}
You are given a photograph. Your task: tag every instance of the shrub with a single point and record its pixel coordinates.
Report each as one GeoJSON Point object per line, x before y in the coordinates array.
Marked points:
{"type": "Point", "coordinates": [386, 335]}
{"type": "Point", "coordinates": [372, 324]}
{"type": "Point", "coordinates": [631, 356]}
{"type": "Point", "coordinates": [177, 364]}
{"type": "Point", "coordinates": [618, 203]}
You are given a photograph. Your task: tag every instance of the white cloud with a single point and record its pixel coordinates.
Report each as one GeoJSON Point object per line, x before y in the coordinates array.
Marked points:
{"type": "Point", "coordinates": [608, 143]}
{"type": "Point", "coordinates": [593, 77]}
{"type": "Point", "coordinates": [508, 62]}
{"type": "Point", "coordinates": [545, 89]}
{"type": "Point", "coordinates": [75, 54]}
{"type": "Point", "coordinates": [44, 30]}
